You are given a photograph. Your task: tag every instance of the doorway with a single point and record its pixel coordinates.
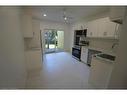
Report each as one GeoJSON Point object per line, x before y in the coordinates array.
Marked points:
{"type": "Point", "coordinates": [54, 40]}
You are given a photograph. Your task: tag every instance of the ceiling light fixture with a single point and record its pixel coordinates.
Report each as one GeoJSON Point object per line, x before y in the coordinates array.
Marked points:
{"type": "Point", "coordinates": [44, 15]}
{"type": "Point", "coordinates": [65, 18]}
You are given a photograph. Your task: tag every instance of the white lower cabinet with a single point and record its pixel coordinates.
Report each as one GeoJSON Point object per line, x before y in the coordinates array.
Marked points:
{"type": "Point", "coordinates": [84, 54]}
{"type": "Point", "coordinates": [33, 59]}
{"type": "Point", "coordinates": [100, 73]}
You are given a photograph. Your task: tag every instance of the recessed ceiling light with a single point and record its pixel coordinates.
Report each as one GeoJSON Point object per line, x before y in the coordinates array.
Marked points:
{"type": "Point", "coordinates": [44, 15]}
{"type": "Point", "coordinates": [65, 18]}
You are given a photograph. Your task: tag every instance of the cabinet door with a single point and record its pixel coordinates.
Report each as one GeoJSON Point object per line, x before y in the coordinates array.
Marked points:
{"type": "Point", "coordinates": [27, 25]}
{"type": "Point", "coordinates": [35, 41]}
{"type": "Point", "coordinates": [102, 23]}
{"type": "Point", "coordinates": [107, 28]}
{"type": "Point", "coordinates": [33, 60]}
{"type": "Point", "coordinates": [100, 72]}
{"type": "Point", "coordinates": [111, 29]}
{"type": "Point", "coordinates": [84, 54]}
{"type": "Point", "coordinates": [92, 29]}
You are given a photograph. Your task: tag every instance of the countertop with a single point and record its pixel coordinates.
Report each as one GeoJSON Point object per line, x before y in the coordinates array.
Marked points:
{"type": "Point", "coordinates": [103, 51]}
{"type": "Point", "coordinates": [110, 52]}
{"type": "Point", "coordinates": [104, 59]}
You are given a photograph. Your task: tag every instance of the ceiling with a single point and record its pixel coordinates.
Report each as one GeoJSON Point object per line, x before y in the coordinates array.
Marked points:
{"type": "Point", "coordinates": [76, 13]}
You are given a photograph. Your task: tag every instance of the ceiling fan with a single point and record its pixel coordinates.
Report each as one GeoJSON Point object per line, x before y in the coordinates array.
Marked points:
{"type": "Point", "coordinates": [65, 17]}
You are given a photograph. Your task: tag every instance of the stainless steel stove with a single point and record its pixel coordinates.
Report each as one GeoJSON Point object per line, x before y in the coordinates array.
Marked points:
{"type": "Point", "coordinates": [76, 52]}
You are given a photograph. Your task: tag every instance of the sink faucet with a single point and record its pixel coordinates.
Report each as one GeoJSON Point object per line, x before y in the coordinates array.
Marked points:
{"type": "Point", "coordinates": [114, 44]}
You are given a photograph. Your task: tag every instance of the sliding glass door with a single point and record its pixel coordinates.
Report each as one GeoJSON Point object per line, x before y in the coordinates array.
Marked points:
{"type": "Point", "coordinates": [50, 40]}
{"type": "Point", "coordinates": [54, 40]}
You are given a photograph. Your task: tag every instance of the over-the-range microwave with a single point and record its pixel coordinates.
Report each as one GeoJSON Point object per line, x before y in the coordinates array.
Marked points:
{"type": "Point", "coordinates": [81, 32]}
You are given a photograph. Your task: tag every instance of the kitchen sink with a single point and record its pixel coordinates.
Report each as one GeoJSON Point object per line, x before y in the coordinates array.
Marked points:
{"type": "Point", "coordinates": [107, 56]}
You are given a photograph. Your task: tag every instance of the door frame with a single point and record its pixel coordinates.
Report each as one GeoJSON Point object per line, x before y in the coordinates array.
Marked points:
{"type": "Point", "coordinates": [53, 50]}
{"type": "Point", "coordinates": [43, 37]}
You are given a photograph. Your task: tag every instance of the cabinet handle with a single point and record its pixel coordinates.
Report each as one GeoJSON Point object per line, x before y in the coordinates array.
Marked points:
{"type": "Point", "coordinates": [105, 33]}
{"type": "Point", "coordinates": [91, 33]}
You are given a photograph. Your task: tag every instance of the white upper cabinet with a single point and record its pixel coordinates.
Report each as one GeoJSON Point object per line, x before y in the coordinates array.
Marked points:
{"type": "Point", "coordinates": [117, 14]}
{"type": "Point", "coordinates": [106, 28]}
{"type": "Point", "coordinates": [102, 23]}
{"type": "Point", "coordinates": [92, 29]}
{"type": "Point", "coordinates": [27, 23]}
{"type": "Point", "coordinates": [102, 28]}
{"type": "Point", "coordinates": [35, 41]}
{"type": "Point", "coordinates": [110, 29]}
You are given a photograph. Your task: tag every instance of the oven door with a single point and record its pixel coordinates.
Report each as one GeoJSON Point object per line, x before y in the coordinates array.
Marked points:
{"type": "Point", "coordinates": [76, 53]}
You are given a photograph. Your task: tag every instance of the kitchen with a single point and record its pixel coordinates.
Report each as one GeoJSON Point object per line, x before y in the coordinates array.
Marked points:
{"type": "Point", "coordinates": [95, 44]}
{"type": "Point", "coordinates": [92, 57]}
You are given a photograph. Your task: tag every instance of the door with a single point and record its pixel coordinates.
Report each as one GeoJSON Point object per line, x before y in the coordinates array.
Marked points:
{"type": "Point", "coordinates": [50, 40]}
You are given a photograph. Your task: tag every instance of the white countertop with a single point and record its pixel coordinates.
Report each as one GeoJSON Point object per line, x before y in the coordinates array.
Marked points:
{"type": "Point", "coordinates": [104, 59]}
{"type": "Point", "coordinates": [102, 50]}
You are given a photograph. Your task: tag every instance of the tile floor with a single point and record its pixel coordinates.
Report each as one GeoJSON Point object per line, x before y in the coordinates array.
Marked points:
{"type": "Point", "coordinates": [59, 71]}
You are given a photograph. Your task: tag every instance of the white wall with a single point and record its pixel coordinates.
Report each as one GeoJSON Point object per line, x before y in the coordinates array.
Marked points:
{"type": "Point", "coordinates": [58, 26]}
{"type": "Point", "coordinates": [12, 66]}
